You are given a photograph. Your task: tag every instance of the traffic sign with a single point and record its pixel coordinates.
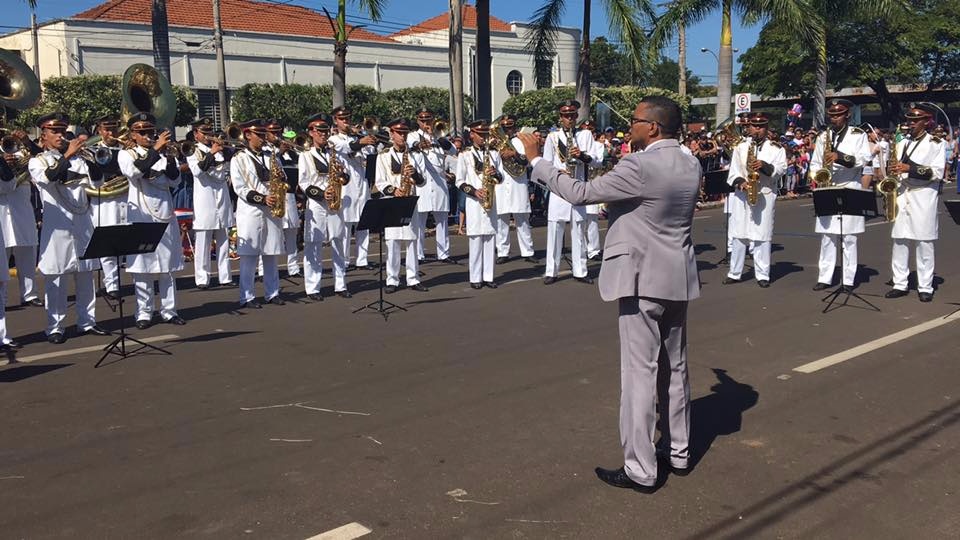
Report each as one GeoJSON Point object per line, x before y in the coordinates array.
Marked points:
{"type": "Point", "coordinates": [742, 103]}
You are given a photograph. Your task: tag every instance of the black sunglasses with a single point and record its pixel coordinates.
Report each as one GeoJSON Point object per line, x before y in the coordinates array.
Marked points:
{"type": "Point", "coordinates": [636, 120]}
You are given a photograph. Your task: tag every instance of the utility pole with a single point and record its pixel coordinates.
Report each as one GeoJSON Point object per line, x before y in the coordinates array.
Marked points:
{"type": "Point", "coordinates": [221, 67]}
{"type": "Point", "coordinates": [456, 66]}
{"type": "Point", "coordinates": [36, 41]}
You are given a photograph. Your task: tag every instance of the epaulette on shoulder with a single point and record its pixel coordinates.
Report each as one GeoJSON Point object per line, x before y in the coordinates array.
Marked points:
{"type": "Point", "coordinates": [384, 151]}
{"type": "Point", "coordinates": [856, 130]}
{"type": "Point", "coordinates": [936, 139]}
{"type": "Point", "coordinates": [777, 144]}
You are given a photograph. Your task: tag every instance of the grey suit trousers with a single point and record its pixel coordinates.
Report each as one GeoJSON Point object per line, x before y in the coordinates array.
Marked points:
{"type": "Point", "coordinates": [653, 362]}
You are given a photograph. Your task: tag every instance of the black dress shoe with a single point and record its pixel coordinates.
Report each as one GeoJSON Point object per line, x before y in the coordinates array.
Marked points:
{"type": "Point", "coordinates": [549, 280]}
{"type": "Point", "coordinates": [448, 260]}
{"type": "Point", "coordinates": [176, 320]}
{"type": "Point", "coordinates": [618, 478]}
{"type": "Point", "coordinates": [490, 284]}
{"type": "Point", "coordinates": [532, 260]}
{"type": "Point", "coordinates": [585, 279]}
{"type": "Point", "coordinates": [390, 289]}
{"type": "Point", "coordinates": [344, 294]}
{"type": "Point", "coordinates": [419, 287]}
{"type": "Point", "coordinates": [35, 302]}
{"type": "Point", "coordinates": [95, 330]}
{"type": "Point", "coordinates": [143, 324]}
{"type": "Point", "coordinates": [821, 286]}
{"type": "Point", "coordinates": [203, 287]}
{"type": "Point", "coordinates": [56, 338]}
{"type": "Point", "coordinates": [252, 304]}
{"type": "Point", "coordinates": [763, 283]}
{"type": "Point", "coordinates": [9, 346]}
{"type": "Point", "coordinates": [895, 293]}
{"type": "Point", "coordinates": [476, 286]}
{"type": "Point", "coordinates": [729, 281]}
{"type": "Point", "coordinates": [597, 257]}
{"type": "Point", "coordinates": [502, 260]}
{"type": "Point", "coordinates": [316, 297]}
{"type": "Point", "coordinates": [228, 285]}
{"type": "Point", "coordinates": [926, 297]}
{"type": "Point", "coordinates": [371, 266]}
{"type": "Point", "coordinates": [277, 301]}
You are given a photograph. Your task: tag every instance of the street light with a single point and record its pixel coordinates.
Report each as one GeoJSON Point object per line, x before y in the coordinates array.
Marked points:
{"type": "Point", "coordinates": [706, 50]}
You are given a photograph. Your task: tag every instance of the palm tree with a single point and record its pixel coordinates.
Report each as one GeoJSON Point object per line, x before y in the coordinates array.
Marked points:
{"type": "Point", "coordinates": [626, 25]}
{"type": "Point", "coordinates": [161, 38]}
{"type": "Point", "coordinates": [795, 14]}
{"type": "Point", "coordinates": [373, 9]}
{"type": "Point", "coordinates": [484, 61]}
{"type": "Point", "coordinates": [456, 66]}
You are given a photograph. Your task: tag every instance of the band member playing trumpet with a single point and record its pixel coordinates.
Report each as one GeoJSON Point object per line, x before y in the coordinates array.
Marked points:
{"type": "Point", "coordinates": [323, 173]}
{"type": "Point", "coordinates": [478, 173]}
{"type": "Point", "coordinates": [109, 209]}
{"type": "Point", "coordinates": [291, 218]}
{"type": "Point", "coordinates": [513, 199]}
{"type": "Point", "coordinates": [434, 195]}
{"type": "Point", "coordinates": [18, 221]}
{"type": "Point", "coordinates": [361, 149]}
{"type": "Point", "coordinates": [212, 207]}
{"type": "Point", "coordinates": [152, 170]}
{"type": "Point", "coordinates": [400, 173]}
{"type": "Point", "coordinates": [61, 174]}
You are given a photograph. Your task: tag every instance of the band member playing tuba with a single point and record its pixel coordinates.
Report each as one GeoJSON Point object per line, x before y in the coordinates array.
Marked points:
{"type": "Point", "coordinates": [513, 197]}
{"type": "Point", "coordinates": [434, 194]}
{"type": "Point", "coordinates": [152, 172]}
{"type": "Point", "coordinates": [479, 171]}
{"type": "Point", "coordinates": [361, 151]}
{"type": "Point", "coordinates": [212, 207]}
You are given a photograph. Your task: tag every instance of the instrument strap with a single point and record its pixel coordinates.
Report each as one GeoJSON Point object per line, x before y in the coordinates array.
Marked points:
{"type": "Point", "coordinates": [908, 152]}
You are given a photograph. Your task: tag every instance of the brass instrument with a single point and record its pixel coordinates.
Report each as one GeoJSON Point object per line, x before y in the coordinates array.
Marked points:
{"type": "Point", "coordinates": [571, 161]}
{"type": "Point", "coordinates": [277, 187]}
{"type": "Point", "coordinates": [727, 135]}
{"type": "Point", "coordinates": [824, 176]}
{"type": "Point", "coordinates": [440, 128]}
{"type": "Point", "coordinates": [753, 177]}
{"type": "Point", "coordinates": [19, 87]}
{"type": "Point", "coordinates": [112, 188]}
{"type": "Point", "coordinates": [11, 145]}
{"type": "Point", "coordinates": [144, 89]}
{"type": "Point", "coordinates": [335, 178]}
{"type": "Point", "coordinates": [406, 181]}
{"type": "Point", "coordinates": [501, 141]}
{"type": "Point", "coordinates": [889, 187]}
{"type": "Point", "coordinates": [489, 182]}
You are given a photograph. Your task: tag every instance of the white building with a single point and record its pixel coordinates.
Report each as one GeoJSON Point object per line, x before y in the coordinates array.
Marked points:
{"type": "Point", "coordinates": [266, 42]}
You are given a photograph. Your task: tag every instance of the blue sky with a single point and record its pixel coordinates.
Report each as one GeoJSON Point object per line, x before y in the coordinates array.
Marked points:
{"type": "Point", "coordinates": [399, 14]}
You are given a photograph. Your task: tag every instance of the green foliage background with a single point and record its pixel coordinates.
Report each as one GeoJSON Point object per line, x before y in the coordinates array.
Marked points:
{"type": "Point", "coordinates": [539, 107]}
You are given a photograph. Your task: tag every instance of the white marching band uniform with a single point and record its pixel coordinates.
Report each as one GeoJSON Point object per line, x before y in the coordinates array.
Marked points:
{"type": "Point", "coordinates": [591, 232]}
{"type": "Point", "coordinates": [320, 223]}
{"type": "Point", "coordinates": [513, 199]}
{"type": "Point", "coordinates": [67, 229]}
{"type": "Point", "coordinates": [916, 221]}
{"type": "Point", "coordinates": [754, 223]}
{"type": "Point", "coordinates": [18, 224]}
{"type": "Point", "coordinates": [109, 211]}
{"type": "Point", "coordinates": [212, 213]}
{"type": "Point", "coordinates": [355, 195]}
{"type": "Point", "coordinates": [559, 212]}
{"type": "Point", "coordinates": [291, 224]}
{"type": "Point", "coordinates": [853, 147]}
{"type": "Point", "coordinates": [149, 201]}
{"type": "Point", "coordinates": [388, 176]}
{"type": "Point", "coordinates": [259, 233]}
{"type": "Point", "coordinates": [481, 224]}
{"type": "Point", "coordinates": [434, 194]}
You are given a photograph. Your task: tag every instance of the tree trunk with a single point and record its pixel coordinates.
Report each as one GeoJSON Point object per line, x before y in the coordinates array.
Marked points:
{"type": "Point", "coordinates": [725, 65]}
{"type": "Point", "coordinates": [820, 92]}
{"type": "Point", "coordinates": [583, 68]}
{"type": "Point", "coordinates": [340, 56]}
{"type": "Point", "coordinates": [682, 58]}
{"type": "Point", "coordinates": [484, 88]}
{"type": "Point", "coordinates": [889, 106]}
{"type": "Point", "coordinates": [161, 38]}
{"type": "Point", "coordinates": [456, 66]}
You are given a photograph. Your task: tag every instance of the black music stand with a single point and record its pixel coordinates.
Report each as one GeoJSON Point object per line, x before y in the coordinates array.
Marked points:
{"type": "Point", "coordinates": [378, 214]}
{"type": "Point", "coordinates": [118, 241]}
{"type": "Point", "coordinates": [843, 201]}
{"type": "Point", "coordinates": [715, 183]}
{"type": "Point", "coordinates": [953, 208]}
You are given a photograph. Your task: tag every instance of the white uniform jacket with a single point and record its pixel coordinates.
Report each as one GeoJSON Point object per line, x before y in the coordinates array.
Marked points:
{"type": "Point", "coordinates": [149, 201]}
{"type": "Point", "coordinates": [434, 194]}
{"type": "Point", "coordinates": [594, 149]}
{"type": "Point", "coordinates": [18, 223]}
{"type": "Point", "coordinates": [513, 196]}
{"type": "Point", "coordinates": [212, 208]}
{"type": "Point", "coordinates": [755, 222]}
{"type": "Point", "coordinates": [314, 166]}
{"type": "Point", "coordinates": [469, 172]}
{"type": "Point", "coordinates": [853, 152]}
{"type": "Point", "coordinates": [919, 190]}
{"type": "Point", "coordinates": [110, 210]}
{"type": "Point", "coordinates": [357, 192]}
{"type": "Point", "coordinates": [388, 180]}
{"type": "Point", "coordinates": [554, 151]}
{"type": "Point", "coordinates": [258, 231]}
{"type": "Point", "coordinates": [67, 218]}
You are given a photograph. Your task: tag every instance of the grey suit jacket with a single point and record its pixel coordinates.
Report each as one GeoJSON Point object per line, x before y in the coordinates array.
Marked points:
{"type": "Point", "coordinates": [651, 197]}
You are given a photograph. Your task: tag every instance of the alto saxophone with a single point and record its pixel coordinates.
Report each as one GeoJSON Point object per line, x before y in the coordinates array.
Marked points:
{"type": "Point", "coordinates": [406, 180]}
{"type": "Point", "coordinates": [890, 186]}
{"type": "Point", "coordinates": [753, 177]}
{"type": "Point", "coordinates": [824, 176]}
{"type": "Point", "coordinates": [277, 187]}
{"type": "Point", "coordinates": [571, 161]}
{"type": "Point", "coordinates": [489, 182]}
{"type": "Point", "coordinates": [335, 180]}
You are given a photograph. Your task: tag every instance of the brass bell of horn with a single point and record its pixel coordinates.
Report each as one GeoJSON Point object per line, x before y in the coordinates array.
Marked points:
{"type": "Point", "coordinates": [19, 87]}
{"type": "Point", "coordinates": [144, 89]}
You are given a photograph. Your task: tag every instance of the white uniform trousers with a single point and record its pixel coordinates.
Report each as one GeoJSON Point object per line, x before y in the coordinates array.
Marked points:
{"type": "Point", "coordinates": [313, 266]}
{"type": "Point", "coordinates": [143, 285]}
{"type": "Point", "coordinates": [26, 259]}
{"type": "Point", "coordinates": [593, 234]}
{"type": "Point", "coordinates": [578, 254]}
{"type": "Point", "coordinates": [110, 274]}
{"type": "Point", "coordinates": [828, 258]}
{"type": "Point", "coordinates": [55, 295]}
{"type": "Point", "coordinates": [293, 255]}
{"type": "Point", "coordinates": [271, 277]}
{"type": "Point", "coordinates": [363, 244]}
{"type": "Point", "coordinates": [201, 256]}
{"type": "Point", "coordinates": [393, 262]}
{"type": "Point", "coordinates": [900, 264]}
{"type": "Point", "coordinates": [524, 238]}
{"type": "Point", "coordinates": [761, 258]}
{"type": "Point", "coordinates": [442, 236]}
{"type": "Point", "coordinates": [481, 258]}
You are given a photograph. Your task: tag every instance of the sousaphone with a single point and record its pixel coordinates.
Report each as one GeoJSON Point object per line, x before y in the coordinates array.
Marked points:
{"type": "Point", "coordinates": [144, 89]}
{"type": "Point", "coordinates": [19, 87]}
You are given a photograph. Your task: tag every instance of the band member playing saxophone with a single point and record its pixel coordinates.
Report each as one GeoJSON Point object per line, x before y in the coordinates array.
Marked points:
{"type": "Point", "coordinates": [479, 171]}
{"type": "Point", "coordinates": [361, 150]}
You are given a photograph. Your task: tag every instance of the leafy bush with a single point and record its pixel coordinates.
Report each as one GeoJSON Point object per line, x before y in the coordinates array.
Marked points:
{"type": "Point", "coordinates": [539, 107]}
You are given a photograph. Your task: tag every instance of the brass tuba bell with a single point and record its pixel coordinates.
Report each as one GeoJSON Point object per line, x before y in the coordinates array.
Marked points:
{"type": "Point", "coordinates": [19, 87]}
{"type": "Point", "coordinates": [144, 89]}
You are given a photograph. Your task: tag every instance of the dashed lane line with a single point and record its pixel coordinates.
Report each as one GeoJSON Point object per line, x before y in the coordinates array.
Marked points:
{"type": "Point", "coordinates": [346, 532]}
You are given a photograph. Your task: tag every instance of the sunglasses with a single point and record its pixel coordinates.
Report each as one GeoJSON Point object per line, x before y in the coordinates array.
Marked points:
{"type": "Point", "coordinates": [58, 131]}
{"type": "Point", "coordinates": [568, 115]}
{"type": "Point", "coordinates": [145, 132]}
{"type": "Point", "coordinates": [636, 120]}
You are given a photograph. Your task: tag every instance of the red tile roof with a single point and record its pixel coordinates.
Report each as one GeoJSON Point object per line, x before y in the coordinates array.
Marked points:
{"type": "Point", "coordinates": [236, 15]}
{"type": "Point", "coordinates": [442, 22]}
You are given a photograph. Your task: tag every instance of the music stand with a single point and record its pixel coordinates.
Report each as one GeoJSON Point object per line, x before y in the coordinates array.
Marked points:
{"type": "Point", "coordinates": [715, 183]}
{"type": "Point", "coordinates": [953, 208]}
{"type": "Point", "coordinates": [118, 241]}
{"type": "Point", "coordinates": [377, 215]}
{"type": "Point", "coordinates": [844, 201]}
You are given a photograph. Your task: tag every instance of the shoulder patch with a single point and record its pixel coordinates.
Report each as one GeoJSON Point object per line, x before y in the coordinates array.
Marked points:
{"type": "Point", "coordinates": [777, 144]}
{"type": "Point", "coordinates": [384, 151]}
{"type": "Point", "coordinates": [936, 139]}
{"type": "Point", "coordinates": [856, 130]}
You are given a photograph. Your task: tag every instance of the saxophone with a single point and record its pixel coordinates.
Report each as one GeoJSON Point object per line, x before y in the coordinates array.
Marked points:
{"type": "Point", "coordinates": [824, 176]}
{"type": "Point", "coordinates": [753, 177]}
{"type": "Point", "coordinates": [277, 187]}
{"type": "Point", "coordinates": [571, 161]}
{"type": "Point", "coordinates": [335, 179]}
{"type": "Point", "coordinates": [889, 186]}
{"type": "Point", "coordinates": [489, 183]}
{"type": "Point", "coordinates": [406, 180]}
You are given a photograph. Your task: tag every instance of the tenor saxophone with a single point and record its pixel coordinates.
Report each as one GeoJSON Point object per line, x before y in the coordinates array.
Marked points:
{"type": "Point", "coordinates": [753, 177]}
{"type": "Point", "coordinates": [824, 176]}
{"type": "Point", "coordinates": [489, 183]}
{"type": "Point", "coordinates": [406, 180]}
{"type": "Point", "coordinates": [277, 187]}
{"type": "Point", "coordinates": [890, 186]}
{"type": "Point", "coordinates": [335, 180]}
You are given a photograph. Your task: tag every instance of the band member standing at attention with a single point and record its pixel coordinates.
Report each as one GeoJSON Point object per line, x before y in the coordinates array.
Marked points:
{"type": "Point", "coordinates": [591, 228]}
{"type": "Point", "coordinates": [400, 172]}
{"type": "Point", "coordinates": [323, 221]}
{"type": "Point", "coordinates": [61, 174]}
{"type": "Point", "coordinates": [478, 172]}
{"type": "Point", "coordinates": [513, 197]}
{"type": "Point", "coordinates": [361, 151]}
{"type": "Point", "coordinates": [18, 224]}
{"type": "Point", "coordinates": [212, 208]}
{"type": "Point", "coordinates": [850, 152]}
{"type": "Point", "coordinates": [921, 164]}
{"type": "Point", "coordinates": [563, 150]}
{"type": "Point", "coordinates": [754, 223]}
{"type": "Point", "coordinates": [435, 194]}
{"type": "Point", "coordinates": [152, 172]}
{"type": "Point", "coordinates": [291, 218]}
{"type": "Point", "coordinates": [108, 208]}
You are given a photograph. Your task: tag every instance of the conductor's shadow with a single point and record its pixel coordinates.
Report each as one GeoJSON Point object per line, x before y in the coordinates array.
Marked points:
{"type": "Point", "coordinates": [25, 371]}
{"type": "Point", "coordinates": [448, 278]}
{"type": "Point", "coordinates": [703, 248]}
{"type": "Point", "coordinates": [525, 272]}
{"type": "Point", "coordinates": [703, 266]}
{"type": "Point", "coordinates": [783, 269]}
{"type": "Point", "coordinates": [719, 413]}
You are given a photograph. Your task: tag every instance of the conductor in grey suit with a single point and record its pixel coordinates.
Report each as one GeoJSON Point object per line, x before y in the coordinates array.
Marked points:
{"type": "Point", "coordinates": [650, 270]}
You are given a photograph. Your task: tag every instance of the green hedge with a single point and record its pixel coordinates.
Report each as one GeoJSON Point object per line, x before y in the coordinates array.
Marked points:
{"type": "Point", "coordinates": [539, 107]}
{"type": "Point", "coordinates": [88, 97]}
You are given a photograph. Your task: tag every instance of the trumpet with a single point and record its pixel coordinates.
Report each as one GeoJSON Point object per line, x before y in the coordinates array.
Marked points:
{"type": "Point", "coordinates": [440, 129]}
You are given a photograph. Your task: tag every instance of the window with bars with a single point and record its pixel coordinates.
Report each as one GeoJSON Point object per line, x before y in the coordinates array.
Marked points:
{"type": "Point", "coordinates": [208, 104]}
{"type": "Point", "coordinates": [514, 83]}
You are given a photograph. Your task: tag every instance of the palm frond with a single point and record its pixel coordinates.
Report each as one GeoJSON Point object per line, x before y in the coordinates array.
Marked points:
{"type": "Point", "coordinates": [626, 19]}
{"type": "Point", "coordinates": [542, 39]}
{"type": "Point", "coordinates": [372, 8]}
{"type": "Point", "coordinates": [800, 16]}
{"type": "Point", "coordinates": [686, 12]}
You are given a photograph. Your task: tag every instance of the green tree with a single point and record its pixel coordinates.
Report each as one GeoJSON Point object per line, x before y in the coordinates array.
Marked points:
{"type": "Point", "coordinates": [341, 33]}
{"type": "Point", "coordinates": [539, 107]}
{"type": "Point", "coordinates": [611, 67]}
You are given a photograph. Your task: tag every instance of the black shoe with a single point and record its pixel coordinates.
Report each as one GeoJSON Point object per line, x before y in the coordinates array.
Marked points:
{"type": "Point", "coordinates": [490, 284]}
{"type": "Point", "coordinates": [597, 257]}
{"type": "Point", "coordinates": [846, 289]}
{"type": "Point", "coordinates": [502, 260]}
{"type": "Point", "coordinates": [56, 338]}
{"type": "Point", "coordinates": [585, 279]}
{"type": "Point", "coordinates": [258, 279]}
{"type": "Point", "coordinates": [344, 294]}
{"type": "Point", "coordinates": [532, 260]}
{"type": "Point", "coordinates": [729, 281]}
{"type": "Point", "coordinates": [316, 297]}
{"type": "Point", "coordinates": [253, 304]}
{"type": "Point", "coordinates": [228, 285]}
{"type": "Point", "coordinates": [202, 287]}
{"type": "Point", "coordinates": [549, 280]}
{"type": "Point", "coordinates": [35, 302]}
{"type": "Point", "coordinates": [143, 324]}
{"type": "Point", "coordinates": [618, 478]}
{"type": "Point", "coordinates": [298, 274]}
{"type": "Point", "coordinates": [9, 346]}
{"type": "Point", "coordinates": [448, 260]}
{"type": "Point", "coordinates": [176, 320]}
{"type": "Point", "coordinates": [763, 283]}
{"type": "Point", "coordinates": [821, 286]}
{"type": "Point", "coordinates": [926, 297]}
{"type": "Point", "coordinates": [277, 301]}
{"type": "Point", "coordinates": [895, 293]}
{"type": "Point", "coordinates": [476, 286]}
{"type": "Point", "coordinates": [419, 287]}
{"type": "Point", "coordinates": [390, 289]}
{"type": "Point", "coordinates": [95, 330]}
{"type": "Point", "coordinates": [663, 462]}
{"type": "Point", "coordinates": [371, 266]}
{"type": "Point", "coordinates": [112, 295]}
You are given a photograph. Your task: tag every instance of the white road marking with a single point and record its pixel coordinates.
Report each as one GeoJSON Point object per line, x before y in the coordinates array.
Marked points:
{"type": "Point", "coordinates": [79, 350]}
{"type": "Point", "coordinates": [806, 205]}
{"type": "Point", "coordinates": [875, 223]}
{"type": "Point", "coordinates": [291, 440]}
{"type": "Point", "coordinates": [860, 350]}
{"type": "Point", "coordinates": [301, 405]}
{"type": "Point", "coordinates": [346, 532]}
{"type": "Point", "coordinates": [701, 217]}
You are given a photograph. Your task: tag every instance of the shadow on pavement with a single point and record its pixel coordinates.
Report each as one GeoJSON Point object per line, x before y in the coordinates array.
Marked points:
{"type": "Point", "coordinates": [783, 269]}
{"type": "Point", "coordinates": [212, 336]}
{"type": "Point", "coordinates": [719, 413]}
{"type": "Point", "coordinates": [25, 371]}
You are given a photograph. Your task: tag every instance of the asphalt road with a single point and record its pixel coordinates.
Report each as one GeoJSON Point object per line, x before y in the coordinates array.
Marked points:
{"type": "Point", "coordinates": [481, 414]}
